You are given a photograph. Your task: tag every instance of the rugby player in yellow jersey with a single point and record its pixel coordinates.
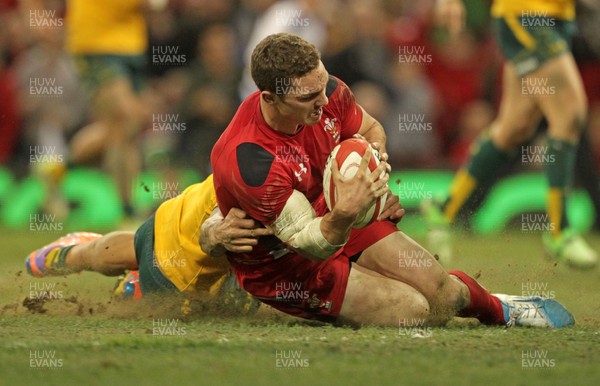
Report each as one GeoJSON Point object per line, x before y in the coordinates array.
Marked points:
{"type": "Point", "coordinates": [107, 40]}
{"type": "Point", "coordinates": [540, 78]}
{"type": "Point", "coordinates": [165, 249]}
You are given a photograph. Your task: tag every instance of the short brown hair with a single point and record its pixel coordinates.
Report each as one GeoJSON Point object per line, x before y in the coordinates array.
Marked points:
{"type": "Point", "coordinates": [282, 56]}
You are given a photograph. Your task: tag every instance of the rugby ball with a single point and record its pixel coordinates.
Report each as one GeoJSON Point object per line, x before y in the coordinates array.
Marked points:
{"type": "Point", "coordinates": [348, 155]}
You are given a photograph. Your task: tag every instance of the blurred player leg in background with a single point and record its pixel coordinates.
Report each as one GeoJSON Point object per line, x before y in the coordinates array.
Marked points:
{"type": "Point", "coordinates": [540, 76]}
{"type": "Point", "coordinates": [112, 136]}
{"type": "Point", "coordinates": [51, 99]}
{"type": "Point", "coordinates": [586, 176]}
{"type": "Point", "coordinates": [108, 42]}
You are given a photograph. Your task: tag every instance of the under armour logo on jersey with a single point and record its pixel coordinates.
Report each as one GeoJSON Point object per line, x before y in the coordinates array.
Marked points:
{"type": "Point", "coordinates": [298, 174]}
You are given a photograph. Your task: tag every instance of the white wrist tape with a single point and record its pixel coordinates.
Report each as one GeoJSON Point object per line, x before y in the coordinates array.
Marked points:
{"type": "Point", "coordinates": [300, 228]}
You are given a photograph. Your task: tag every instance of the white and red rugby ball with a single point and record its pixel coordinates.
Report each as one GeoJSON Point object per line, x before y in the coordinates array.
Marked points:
{"type": "Point", "coordinates": [348, 155]}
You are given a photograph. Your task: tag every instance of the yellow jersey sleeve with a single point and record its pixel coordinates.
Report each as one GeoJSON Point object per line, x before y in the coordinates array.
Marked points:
{"type": "Point", "coordinates": [561, 9]}
{"type": "Point", "coordinates": [177, 240]}
{"type": "Point", "coordinates": [113, 27]}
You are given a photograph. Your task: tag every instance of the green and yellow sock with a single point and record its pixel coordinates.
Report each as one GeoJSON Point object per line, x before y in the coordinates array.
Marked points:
{"type": "Point", "coordinates": [483, 164]}
{"type": "Point", "coordinates": [559, 170]}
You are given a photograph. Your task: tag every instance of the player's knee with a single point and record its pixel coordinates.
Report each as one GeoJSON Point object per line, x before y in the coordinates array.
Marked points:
{"type": "Point", "coordinates": [577, 121]}
{"type": "Point", "coordinates": [578, 127]}
{"type": "Point", "coordinates": [121, 110]}
{"type": "Point", "coordinates": [447, 294]}
{"type": "Point", "coordinates": [511, 133]}
{"type": "Point", "coordinates": [124, 121]}
{"type": "Point", "coordinates": [420, 308]}
{"type": "Point", "coordinates": [569, 125]}
{"type": "Point", "coordinates": [570, 119]}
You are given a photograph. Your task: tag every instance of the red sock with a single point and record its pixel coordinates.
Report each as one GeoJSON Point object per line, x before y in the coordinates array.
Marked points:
{"type": "Point", "coordinates": [484, 306]}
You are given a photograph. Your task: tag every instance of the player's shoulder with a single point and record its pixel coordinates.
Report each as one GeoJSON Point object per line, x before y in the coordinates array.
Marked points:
{"type": "Point", "coordinates": [254, 163]}
{"type": "Point", "coordinates": [338, 92]}
{"type": "Point", "coordinates": [334, 86]}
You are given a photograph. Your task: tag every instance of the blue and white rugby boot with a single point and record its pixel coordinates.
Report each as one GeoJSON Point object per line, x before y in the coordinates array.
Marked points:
{"type": "Point", "coordinates": [534, 311]}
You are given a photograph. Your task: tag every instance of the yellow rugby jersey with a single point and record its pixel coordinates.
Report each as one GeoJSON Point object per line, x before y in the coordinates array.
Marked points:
{"type": "Point", "coordinates": [105, 27]}
{"type": "Point", "coordinates": [177, 240]}
{"type": "Point", "coordinates": [561, 9]}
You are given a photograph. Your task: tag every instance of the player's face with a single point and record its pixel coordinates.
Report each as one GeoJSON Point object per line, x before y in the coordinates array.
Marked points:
{"type": "Point", "coordinates": [306, 97]}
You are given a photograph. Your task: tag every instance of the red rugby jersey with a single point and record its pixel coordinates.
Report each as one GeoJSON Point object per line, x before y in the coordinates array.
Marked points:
{"type": "Point", "coordinates": [256, 168]}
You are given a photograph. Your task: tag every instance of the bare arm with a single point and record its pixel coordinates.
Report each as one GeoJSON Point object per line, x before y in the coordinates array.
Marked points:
{"type": "Point", "coordinates": [372, 131]}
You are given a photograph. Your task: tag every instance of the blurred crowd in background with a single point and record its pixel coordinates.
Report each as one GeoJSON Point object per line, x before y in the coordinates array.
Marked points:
{"type": "Point", "coordinates": [400, 66]}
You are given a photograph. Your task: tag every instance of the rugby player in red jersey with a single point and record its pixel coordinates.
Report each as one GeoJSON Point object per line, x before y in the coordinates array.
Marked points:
{"type": "Point", "coordinates": [269, 162]}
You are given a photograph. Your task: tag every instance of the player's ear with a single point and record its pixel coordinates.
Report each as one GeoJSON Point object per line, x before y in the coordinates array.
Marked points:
{"type": "Point", "coordinates": [268, 97]}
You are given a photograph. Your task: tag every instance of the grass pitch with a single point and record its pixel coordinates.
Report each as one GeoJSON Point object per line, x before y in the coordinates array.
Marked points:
{"type": "Point", "coordinates": [82, 338]}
